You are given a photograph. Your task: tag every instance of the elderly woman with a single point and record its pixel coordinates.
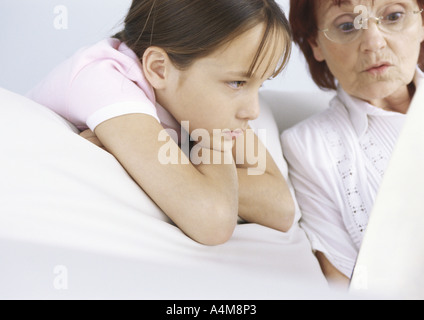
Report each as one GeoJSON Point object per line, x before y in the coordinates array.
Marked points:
{"type": "Point", "coordinates": [368, 51]}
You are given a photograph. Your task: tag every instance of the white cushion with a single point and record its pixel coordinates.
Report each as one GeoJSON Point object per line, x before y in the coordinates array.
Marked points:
{"type": "Point", "coordinates": [61, 196]}
{"type": "Point", "coordinates": [290, 108]}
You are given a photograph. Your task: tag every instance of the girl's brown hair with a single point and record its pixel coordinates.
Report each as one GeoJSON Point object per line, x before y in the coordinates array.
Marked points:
{"type": "Point", "coordinates": [192, 29]}
{"type": "Point", "coordinates": [304, 23]}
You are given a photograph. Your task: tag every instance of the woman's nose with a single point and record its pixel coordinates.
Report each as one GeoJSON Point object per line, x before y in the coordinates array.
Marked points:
{"type": "Point", "coordinates": [373, 39]}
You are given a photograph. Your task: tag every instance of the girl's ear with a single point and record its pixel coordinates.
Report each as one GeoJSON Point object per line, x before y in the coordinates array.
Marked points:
{"type": "Point", "coordinates": [316, 49]}
{"type": "Point", "coordinates": [155, 65]}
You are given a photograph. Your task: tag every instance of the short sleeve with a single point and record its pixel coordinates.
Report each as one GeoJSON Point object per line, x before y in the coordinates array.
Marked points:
{"type": "Point", "coordinates": [100, 91]}
{"type": "Point", "coordinates": [321, 217]}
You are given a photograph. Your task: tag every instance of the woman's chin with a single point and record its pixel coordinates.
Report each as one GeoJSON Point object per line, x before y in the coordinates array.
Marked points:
{"type": "Point", "coordinates": [378, 91]}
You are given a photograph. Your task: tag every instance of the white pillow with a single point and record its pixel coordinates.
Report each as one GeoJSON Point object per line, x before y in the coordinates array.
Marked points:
{"type": "Point", "coordinates": [59, 191]}
{"type": "Point", "coordinates": [52, 172]}
{"type": "Point", "coordinates": [52, 177]}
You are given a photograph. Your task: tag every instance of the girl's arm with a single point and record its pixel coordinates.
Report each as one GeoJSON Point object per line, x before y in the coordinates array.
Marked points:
{"type": "Point", "coordinates": [201, 200]}
{"type": "Point", "coordinates": [90, 136]}
{"type": "Point", "coordinates": [264, 196]}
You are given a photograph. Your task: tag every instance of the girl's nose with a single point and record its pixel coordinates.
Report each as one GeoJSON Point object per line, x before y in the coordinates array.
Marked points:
{"type": "Point", "coordinates": [250, 109]}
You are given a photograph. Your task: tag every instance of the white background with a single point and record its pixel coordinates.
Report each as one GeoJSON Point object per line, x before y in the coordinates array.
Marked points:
{"type": "Point", "coordinates": [31, 45]}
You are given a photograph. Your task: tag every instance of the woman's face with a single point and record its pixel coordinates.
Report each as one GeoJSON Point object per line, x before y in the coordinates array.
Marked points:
{"type": "Point", "coordinates": [215, 92]}
{"type": "Point", "coordinates": [378, 64]}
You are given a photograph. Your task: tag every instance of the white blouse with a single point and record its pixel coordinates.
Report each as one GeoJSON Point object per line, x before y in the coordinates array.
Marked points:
{"type": "Point", "coordinates": [337, 160]}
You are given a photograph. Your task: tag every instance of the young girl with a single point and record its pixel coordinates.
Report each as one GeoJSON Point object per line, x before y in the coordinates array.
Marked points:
{"type": "Point", "coordinates": [196, 62]}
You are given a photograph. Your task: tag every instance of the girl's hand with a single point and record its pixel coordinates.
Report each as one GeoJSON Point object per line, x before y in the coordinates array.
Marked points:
{"type": "Point", "coordinates": [91, 136]}
{"type": "Point", "coordinates": [264, 195]}
{"type": "Point", "coordinates": [217, 141]}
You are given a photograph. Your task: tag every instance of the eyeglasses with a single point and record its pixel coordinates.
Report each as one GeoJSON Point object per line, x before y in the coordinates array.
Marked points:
{"type": "Point", "coordinates": [349, 26]}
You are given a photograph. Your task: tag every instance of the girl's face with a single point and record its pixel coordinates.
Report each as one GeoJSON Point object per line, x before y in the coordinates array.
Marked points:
{"type": "Point", "coordinates": [215, 92]}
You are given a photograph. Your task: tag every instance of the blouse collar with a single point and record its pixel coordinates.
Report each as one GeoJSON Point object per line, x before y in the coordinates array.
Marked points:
{"type": "Point", "coordinates": [360, 110]}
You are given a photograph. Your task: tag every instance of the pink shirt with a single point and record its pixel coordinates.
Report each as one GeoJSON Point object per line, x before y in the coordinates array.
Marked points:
{"type": "Point", "coordinates": [99, 83]}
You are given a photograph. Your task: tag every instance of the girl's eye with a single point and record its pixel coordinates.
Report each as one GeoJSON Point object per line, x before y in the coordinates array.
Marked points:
{"type": "Point", "coordinates": [237, 84]}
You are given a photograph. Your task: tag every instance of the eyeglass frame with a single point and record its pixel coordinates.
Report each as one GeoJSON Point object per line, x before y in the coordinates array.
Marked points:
{"type": "Point", "coordinates": [378, 21]}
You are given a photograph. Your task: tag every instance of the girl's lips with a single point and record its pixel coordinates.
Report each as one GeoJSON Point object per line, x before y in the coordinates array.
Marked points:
{"type": "Point", "coordinates": [234, 134]}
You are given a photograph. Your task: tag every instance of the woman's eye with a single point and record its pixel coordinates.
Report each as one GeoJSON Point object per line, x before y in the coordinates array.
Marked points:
{"type": "Point", "coordinates": [237, 84]}
{"type": "Point", "coordinates": [346, 27]}
{"type": "Point", "coordinates": [345, 23]}
{"type": "Point", "coordinates": [394, 17]}
{"type": "Point", "coordinates": [394, 13]}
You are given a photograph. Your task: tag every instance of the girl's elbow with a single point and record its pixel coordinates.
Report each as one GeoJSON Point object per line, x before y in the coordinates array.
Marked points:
{"type": "Point", "coordinates": [220, 228]}
{"type": "Point", "coordinates": [215, 239]}
{"type": "Point", "coordinates": [287, 223]}
{"type": "Point", "coordinates": [287, 215]}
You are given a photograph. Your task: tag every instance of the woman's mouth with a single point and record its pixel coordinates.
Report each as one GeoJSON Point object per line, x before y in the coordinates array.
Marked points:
{"type": "Point", "coordinates": [378, 69]}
